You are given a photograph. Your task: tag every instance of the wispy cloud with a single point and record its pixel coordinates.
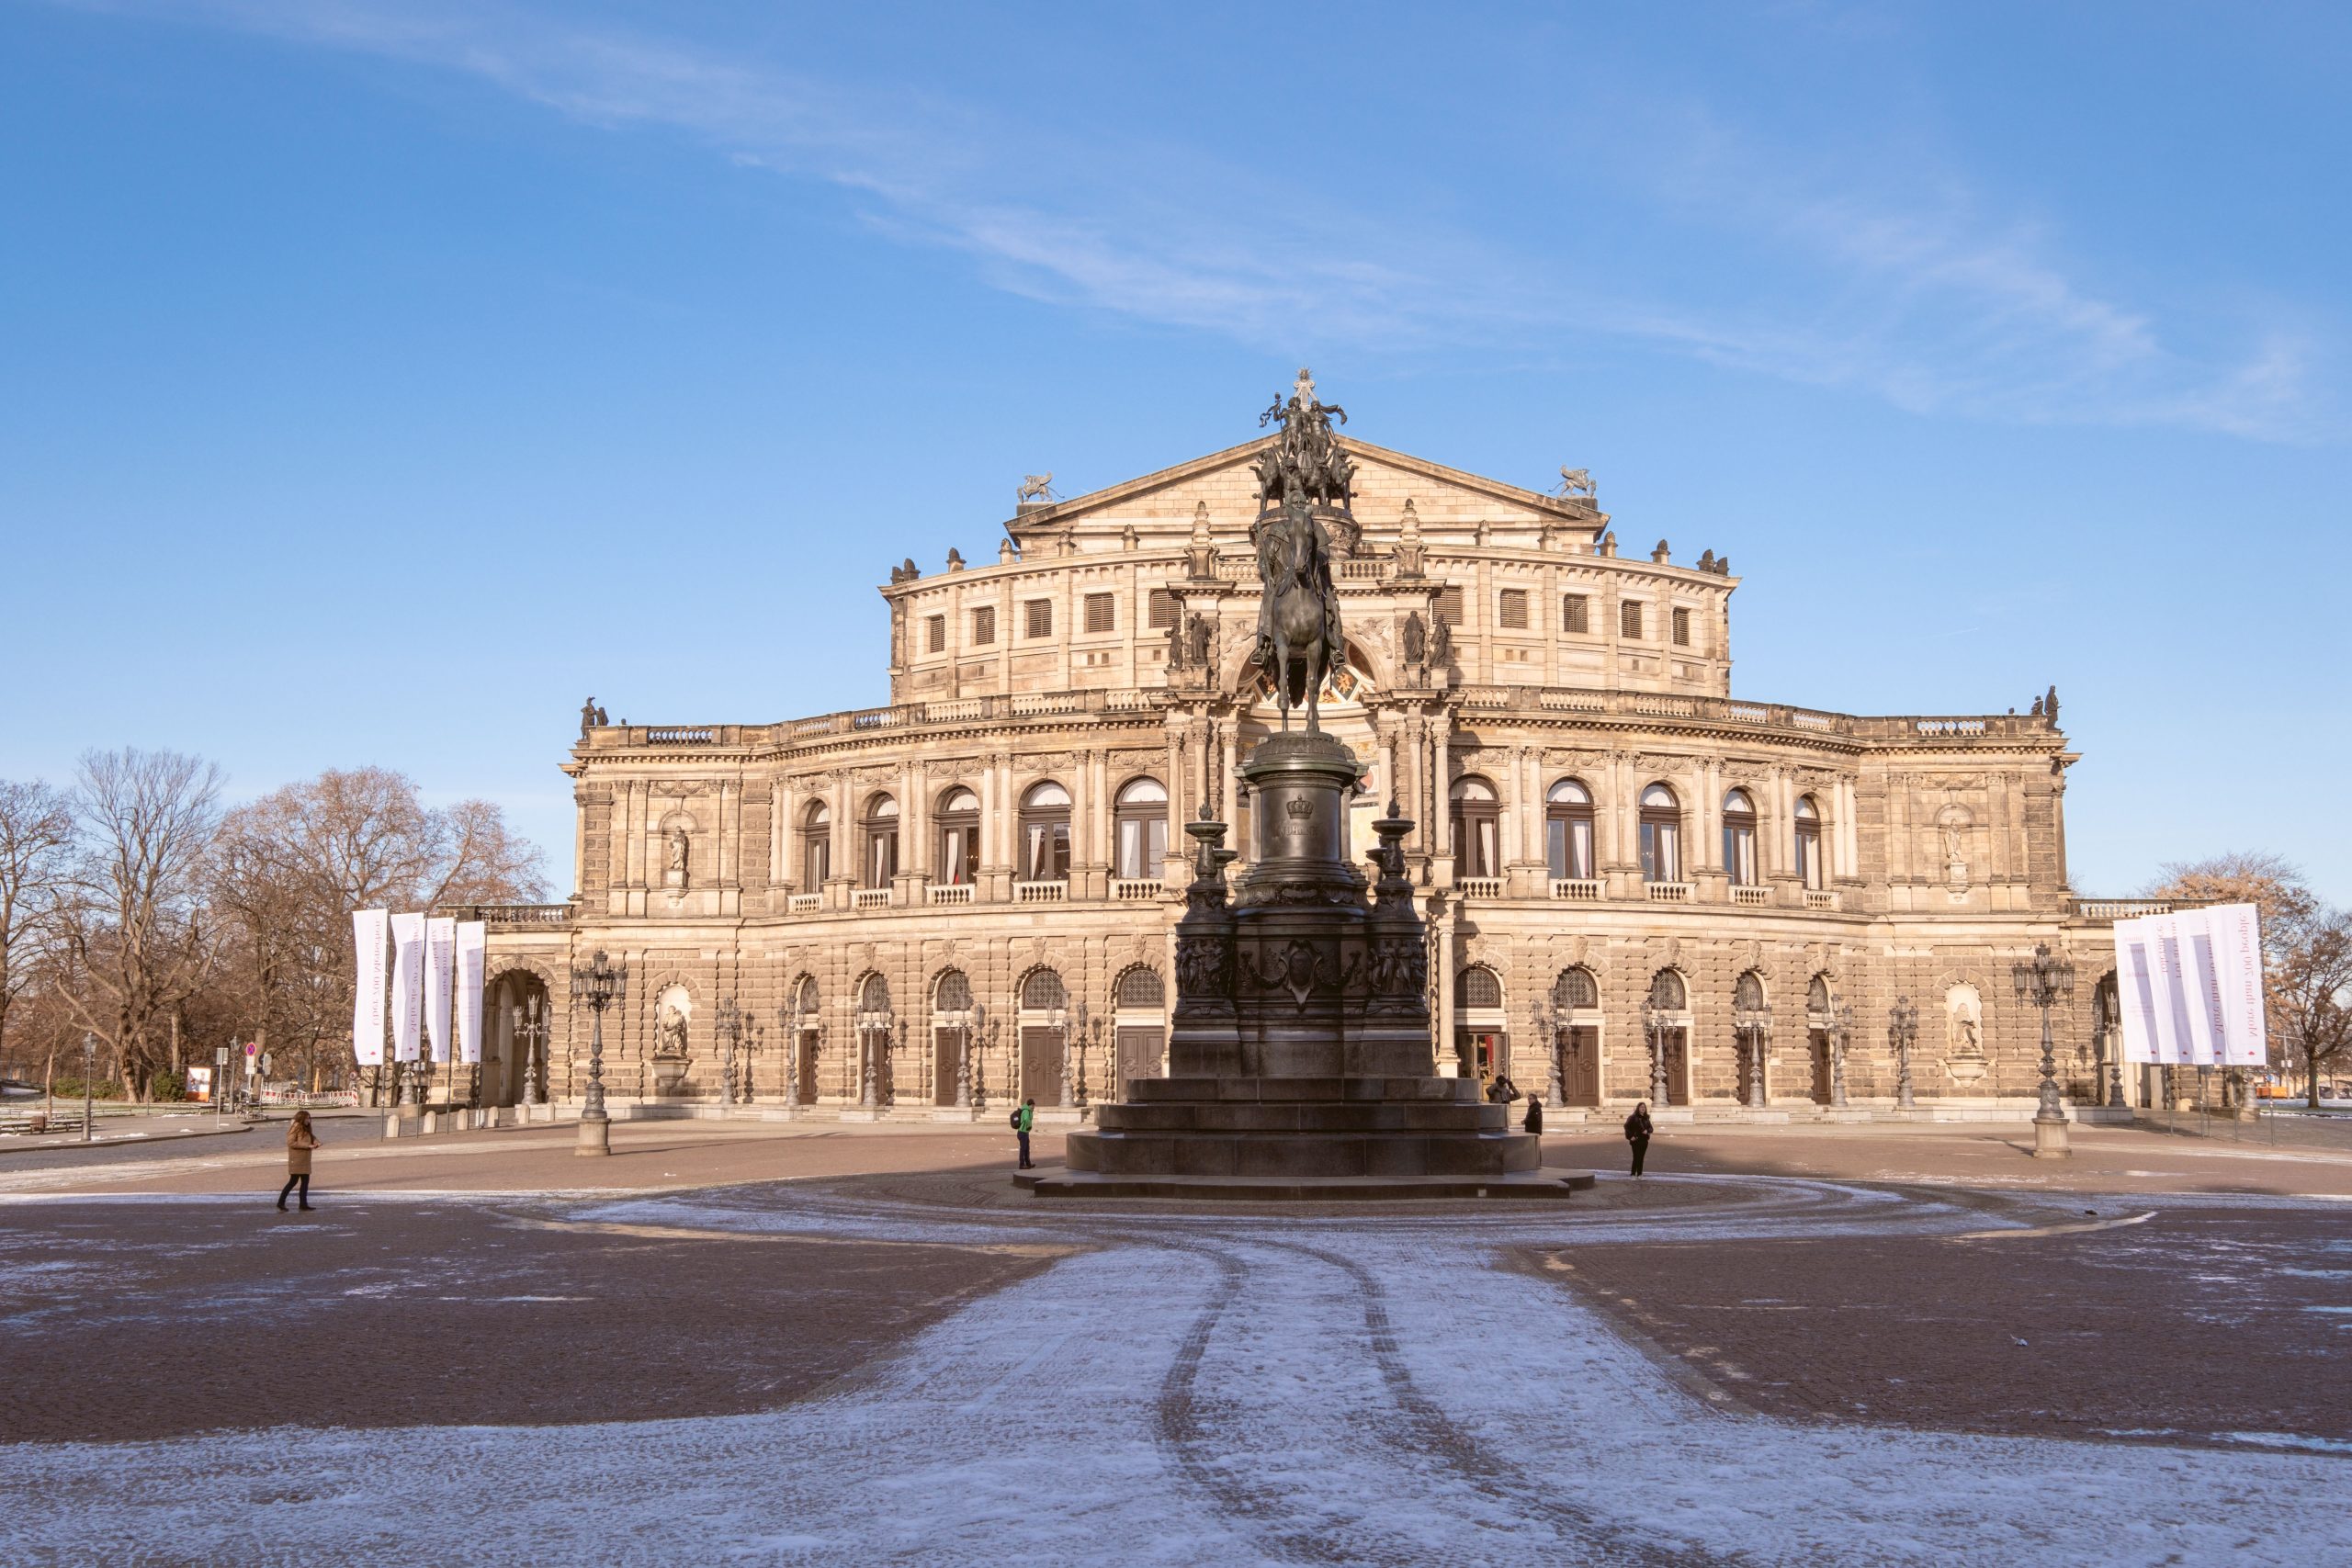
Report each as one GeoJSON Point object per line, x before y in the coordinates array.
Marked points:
{"type": "Point", "coordinates": [1925, 299]}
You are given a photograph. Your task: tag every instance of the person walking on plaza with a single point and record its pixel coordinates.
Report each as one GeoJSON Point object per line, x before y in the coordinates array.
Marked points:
{"type": "Point", "coordinates": [1023, 1120]}
{"type": "Point", "coordinates": [1637, 1133]}
{"type": "Point", "coordinates": [300, 1142]}
{"type": "Point", "coordinates": [1536, 1114]}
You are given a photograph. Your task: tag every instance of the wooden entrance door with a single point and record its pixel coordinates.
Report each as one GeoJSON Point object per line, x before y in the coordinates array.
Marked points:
{"type": "Point", "coordinates": [1820, 1041]}
{"type": "Point", "coordinates": [1139, 1052]}
{"type": "Point", "coordinates": [1580, 1049]}
{"type": "Point", "coordinates": [1677, 1066]}
{"type": "Point", "coordinates": [1041, 1065]}
{"type": "Point", "coordinates": [946, 1051]}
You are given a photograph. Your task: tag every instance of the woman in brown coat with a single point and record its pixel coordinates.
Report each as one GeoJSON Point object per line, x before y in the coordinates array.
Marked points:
{"type": "Point", "coordinates": [300, 1142]}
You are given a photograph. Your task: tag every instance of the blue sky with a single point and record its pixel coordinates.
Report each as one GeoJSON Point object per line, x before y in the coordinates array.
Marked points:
{"type": "Point", "coordinates": [378, 380]}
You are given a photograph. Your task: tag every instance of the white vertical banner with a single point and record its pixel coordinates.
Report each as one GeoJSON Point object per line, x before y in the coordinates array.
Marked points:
{"type": "Point", "coordinates": [473, 950]}
{"type": "Point", "coordinates": [440, 967]}
{"type": "Point", "coordinates": [408, 986]}
{"type": "Point", "coordinates": [2135, 985]}
{"type": "Point", "coordinates": [368, 935]}
{"type": "Point", "coordinates": [2201, 981]}
{"type": "Point", "coordinates": [2237, 957]}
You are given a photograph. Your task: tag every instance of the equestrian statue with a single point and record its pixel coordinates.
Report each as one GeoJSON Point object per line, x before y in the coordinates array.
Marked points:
{"type": "Point", "coordinates": [1299, 643]}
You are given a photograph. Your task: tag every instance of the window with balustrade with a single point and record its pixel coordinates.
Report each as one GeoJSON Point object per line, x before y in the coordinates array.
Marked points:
{"type": "Point", "coordinates": [958, 820]}
{"type": "Point", "coordinates": [1139, 830]}
{"type": "Point", "coordinates": [816, 846]}
{"type": "Point", "coordinates": [1661, 834]}
{"type": "Point", "coordinates": [1045, 833]}
{"type": "Point", "coordinates": [879, 863]}
{"type": "Point", "coordinates": [1567, 831]}
{"type": "Point", "coordinates": [1809, 843]}
{"type": "Point", "coordinates": [1477, 822]}
{"type": "Point", "coordinates": [1740, 839]}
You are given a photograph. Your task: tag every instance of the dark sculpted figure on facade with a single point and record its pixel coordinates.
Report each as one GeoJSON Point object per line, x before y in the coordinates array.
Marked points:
{"type": "Point", "coordinates": [1417, 639]}
{"type": "Point", "coordinates": [1200, 641]}
{"type": "Point", "coordinates": [1442, 644]}
{"type": "Point", "coordinates": [592, 716]}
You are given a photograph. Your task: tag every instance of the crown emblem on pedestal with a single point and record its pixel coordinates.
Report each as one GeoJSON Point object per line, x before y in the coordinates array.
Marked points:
{"type": "Point", "coordinates": [1297, 809]}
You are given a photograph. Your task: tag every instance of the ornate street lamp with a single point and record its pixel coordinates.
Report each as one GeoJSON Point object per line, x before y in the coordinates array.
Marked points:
{"type": "Point", "coordinates": [1752, 1026]}
{"type": "Point", "coordinates": [984, 1033]}
{"type": "Point", "coordinates": [531, 1029]}
{"type": "Point", "coordinates": [790, 1018]}
{"type": "Point", "coordinates": [1082, 1032]}
{"type": "Point", "coordinates": [728, 1026]}
{"type": "Point", "coordinates": [2044, 982]}
{"type": "Point", "coordinates": [964, 1058]}
{"type": "Point", "coordinates": [1903, 1033]}
{"type": "Point", "coordinates": [599, 983]}
{"type": "Point", "coordinates": [2115, 1066]}
{"type": "Point", "coordinates": [1547, 1030]}
{"type": "Point", "coordinates": [1654, 1031]}
{"type": "Point", "coordinates": [1842, 1031]}
{"type": "Point", "coordinates": [755, 1040]}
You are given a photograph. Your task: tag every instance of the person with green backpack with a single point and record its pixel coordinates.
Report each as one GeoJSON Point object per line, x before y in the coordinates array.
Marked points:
{"type": "Point", "coordinates": [1025, 1118]}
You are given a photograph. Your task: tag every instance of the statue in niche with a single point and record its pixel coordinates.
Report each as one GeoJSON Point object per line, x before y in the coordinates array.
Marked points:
{"type": "Point", "coordinates": [1953, 822]}
{"type": "Point", "coordinates": [1964, 1035]}
{"type": "Point", "coordinates": [1442, 644]}
{"type": "Point", "coordinates": [680, 846]}
{"type": "Point", "coordinates": [670, 1031]}
{"type": "Point", "coordinates": [1417, 639]}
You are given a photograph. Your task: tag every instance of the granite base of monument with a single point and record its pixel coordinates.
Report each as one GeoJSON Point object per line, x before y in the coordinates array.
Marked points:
{"type": "Point", "coordinates": [1301, 1062]}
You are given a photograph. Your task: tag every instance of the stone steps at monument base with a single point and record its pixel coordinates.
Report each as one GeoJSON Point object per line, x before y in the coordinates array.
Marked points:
{"type": "Point", "coordinates": [1551, 1184]}
{"type": "Point", "coordinates": [1303, 1116]}
{"type": "Point", "coordinates": [1274, 1089]}
{"type": "Point", "coordinates": [1303, 1154]}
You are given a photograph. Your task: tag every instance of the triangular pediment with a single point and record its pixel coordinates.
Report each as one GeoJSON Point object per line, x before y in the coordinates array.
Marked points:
{"type": "Point", "coordinates": [1163, 508]}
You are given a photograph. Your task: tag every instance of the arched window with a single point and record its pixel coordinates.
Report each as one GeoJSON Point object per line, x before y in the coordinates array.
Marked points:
{"type": "Point", "coordinates": [953, 993]}
{"type": "Point", "coordinates": [1808, 842]}
{"type": "Point", "coordinates": [1141, 824]}
{"type": "Point", "coordinates": [880, 862]}
{"type": "Point", "coordinates": [1661, 834]}
{"type": "Point", "coordinates": [1042, 992]}
{"type": "Point", "coordinates": [1568, 831]}
{"type": "Point", "coordinates": [1576, 990]}
{"type": "Point", "coordinates": [1748, 992]}
{"type": "Point", "coordinates": [1045, 833]}
{"type": "Point", "coordinates": [874, 994]}
{"type": "Point", "coordinates": [1140, 989]}
{"type": "Point", "coordinates": [1476, 820]}
{"type": "Point", "coordinates": [959, 838]}
{"type": "Point", "coordinates": [1481, 988]}
{"type": "Point", "coordinates": [816, 847]}
{"type": "Point", "coordinates": [1668, 992]}
{"type": "Point", "coordinates": [1816, 999]}
{"type": "Point", "coordinates": [1740, 839]}
{"type": "Point", "coordinates": [803, 999]}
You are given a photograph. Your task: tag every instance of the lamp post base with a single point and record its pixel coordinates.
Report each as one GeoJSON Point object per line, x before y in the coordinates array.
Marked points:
{"type": "Point", "coordinates": [595, 1136]}
{"type": "Point", "coordinates": [2050, 1138]}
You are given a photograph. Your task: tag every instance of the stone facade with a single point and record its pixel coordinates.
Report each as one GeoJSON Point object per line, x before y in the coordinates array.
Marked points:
{"type": "Point", "coordinates": [1013, 818]}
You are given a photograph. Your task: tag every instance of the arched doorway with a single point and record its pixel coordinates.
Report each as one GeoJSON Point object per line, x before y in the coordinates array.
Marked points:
{"type": "Point", "coordinates": [1670, 1010]}
{"type": "Point", "coordinates": [1749, 1043]}
{"type": "Point", "coordinates": [803, 1029]}
{"type": "Point", "coordinates": [1045, 1033]}
{"type": "Point", "coordinates": [874, 1022]}
{"type": "Point", "coordinates": [518, 1018]}
{"type": "Point", "coordinates": [1818, 1024]}
{"type": "Point", "coordinates": [1481, 1036]}
{"type": "Point", "coordinates": [951, 1037]}
{"type": "Point", "coordinates": [1139, 1024]}
{"type": "Point", "coordinates": [1576, 1014]}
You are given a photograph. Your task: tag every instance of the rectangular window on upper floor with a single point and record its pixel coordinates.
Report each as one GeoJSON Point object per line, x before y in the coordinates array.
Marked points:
{"type": "Point", "coordinates": [1681, 628]}
{"type": "Point", "coordinates": [983, 625]}
{"type": "Point", "coordinates": [1629, 618]}
{"type": "Point", "coordinates": [1511, 610]}
{"type": "Point", "coordinates": [935, 633]}
{"type": "Point", "coordinates": [1099, 612]}
{"type": "Point", "coordinates": [1162, 609]}
{"type": "Point", "coordinates": [1040, 614]}
{"type": "Point", "coordinates": [1449, 605]}
{"type": "Point", "coordinates": [1576, 614]}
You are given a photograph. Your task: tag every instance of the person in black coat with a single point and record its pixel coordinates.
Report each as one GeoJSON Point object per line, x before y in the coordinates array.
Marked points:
{"type": "Point", "coordinates": [1637, 1133]}
{"type": "Point", "coordinates": [1536, 1114]}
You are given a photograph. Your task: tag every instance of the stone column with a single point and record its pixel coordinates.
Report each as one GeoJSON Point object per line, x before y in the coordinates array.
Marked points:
{"type": "Point", "coordinates": [845, 866]}
{"type": "Point", "coordinates": [1442, 781]}
{"type": "Point", "coordinates": [723, 862]}
{"type": "Point", "coordinates": [1229, 787]}
{"type": "Point", "coordinates": [1383, 729]}
{"type": "Point", "coordinates": [779, 831]}
{"type": "Point", "coordinates": [1445, 967]}
{"type": "Point", "coordinates": [1173, 866]}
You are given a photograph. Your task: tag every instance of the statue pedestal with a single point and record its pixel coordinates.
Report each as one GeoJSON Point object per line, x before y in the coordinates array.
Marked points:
{"type": "Point", "coordinates": [1300, 1062]}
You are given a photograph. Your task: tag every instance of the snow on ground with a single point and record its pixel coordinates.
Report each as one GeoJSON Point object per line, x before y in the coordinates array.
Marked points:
{"type": "Point", "coordinates": [1240, 1391]}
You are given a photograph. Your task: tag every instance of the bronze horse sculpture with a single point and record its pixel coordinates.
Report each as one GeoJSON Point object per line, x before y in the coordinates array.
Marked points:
{"type": "Point", "coordinates": [1298, 618]}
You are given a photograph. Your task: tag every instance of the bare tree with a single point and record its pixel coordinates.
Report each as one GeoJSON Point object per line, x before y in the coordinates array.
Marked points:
{"type": "Point", "coordinates": [2310, 998]}
{"type": "Point", "coordinates": [134, 924]}
{"type": "Point", "coordinates": [293, 866]}
{"type": "Point", "coordinates": [36, 834]}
